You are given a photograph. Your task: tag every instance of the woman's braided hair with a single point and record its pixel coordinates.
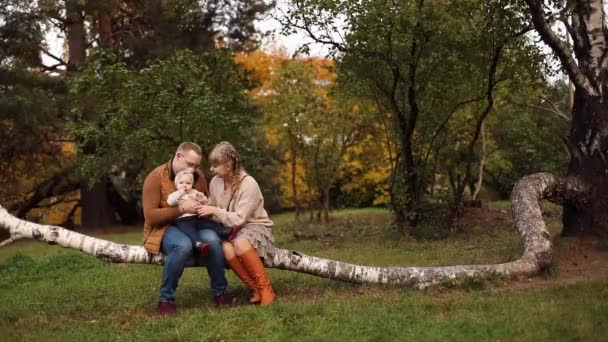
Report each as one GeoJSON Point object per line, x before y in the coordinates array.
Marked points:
{"type": "Point", "coordinates": [223, 153]}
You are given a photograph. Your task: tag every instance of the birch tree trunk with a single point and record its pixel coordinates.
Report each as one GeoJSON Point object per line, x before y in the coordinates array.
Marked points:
{"type": "Point", "coordinates": [586, 63]}
{"type": "Point", "coordinates": [526, 211]}
{"type": "Point", "coordinates": [482, 161]}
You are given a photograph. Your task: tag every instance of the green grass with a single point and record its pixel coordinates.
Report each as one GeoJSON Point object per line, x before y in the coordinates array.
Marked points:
{"type": "Point", "coordinates": [59, 294]}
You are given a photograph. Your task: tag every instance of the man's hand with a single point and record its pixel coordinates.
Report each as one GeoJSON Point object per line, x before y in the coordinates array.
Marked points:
{"type": "Point", "coordinates": [189, 206]}
{"type": "Point", "coordinates": [207, 210]}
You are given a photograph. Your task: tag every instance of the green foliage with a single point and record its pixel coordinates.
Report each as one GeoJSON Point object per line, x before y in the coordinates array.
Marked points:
{"type": "Point", "coordinates": [531, 141]}
{"type": "Point", "coordinates": [317, 121]}
{"type": "Point", "coordinates": [20, 37]}
{"type": "Point", "coordinates": [141, 116]}
{"type": "Point", "coordinates": [32, 118]}
{"type": "Point", "coordinates": [145, 34]}
{"type": "Point", "coordinates": [421, 62]}
{"type": "Point", "coordinates": [157, 28]}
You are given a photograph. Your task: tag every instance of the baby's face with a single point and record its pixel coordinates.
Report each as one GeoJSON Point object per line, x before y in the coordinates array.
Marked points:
{"type": "Point", "coordinates": [185, 182]}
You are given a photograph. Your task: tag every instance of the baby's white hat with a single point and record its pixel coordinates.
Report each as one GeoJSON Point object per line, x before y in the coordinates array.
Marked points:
{"type": "Point", "coordinates": [183, 173]}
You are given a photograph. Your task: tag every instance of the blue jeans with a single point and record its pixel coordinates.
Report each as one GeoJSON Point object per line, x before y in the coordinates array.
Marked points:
{"type": "Point", "coordinates": [177, 248]}
{"type": "Point", "coordinates": [190, 225]}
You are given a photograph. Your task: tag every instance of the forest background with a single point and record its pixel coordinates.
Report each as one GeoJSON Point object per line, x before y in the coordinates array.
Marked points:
{"type": "Point", "coordinates": [136, 78]}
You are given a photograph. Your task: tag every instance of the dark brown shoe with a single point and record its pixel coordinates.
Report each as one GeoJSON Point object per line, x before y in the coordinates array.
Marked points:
{"type": "Point", "coordinates": [165, 308]}
{"type": "Point", "coordinates": [223, 300]}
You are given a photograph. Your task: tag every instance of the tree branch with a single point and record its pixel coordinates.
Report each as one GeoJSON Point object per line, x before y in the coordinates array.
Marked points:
{"type": "Point", "coordinates": [52, 67]}
{"type": "Point", "coordinates": [445, 121]}
{"type": "Point", "coordinates": [559, 48]}
{"type": "Point", "coordinates": [59, 60]}
{"type": "Point", "coordinates": [553, 110]}
{"type": "Point", "coordinates": [64, 181]}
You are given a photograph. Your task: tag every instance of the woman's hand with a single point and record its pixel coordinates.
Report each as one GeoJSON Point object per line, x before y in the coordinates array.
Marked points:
{"type": "Point", "coordinates": [207, 210]}
{"type": "Point", "coordinates": [201, 198]}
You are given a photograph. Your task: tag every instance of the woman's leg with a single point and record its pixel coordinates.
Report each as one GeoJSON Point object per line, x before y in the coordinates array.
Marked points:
{"type": "Point", "coordinates": [249, 257]}
{"type": "Point", "coordinates": [236, 265]}
{"type": "Point", "coordinates": [241, 246]}
{"type": "Point", "coordinates": [228, 250]}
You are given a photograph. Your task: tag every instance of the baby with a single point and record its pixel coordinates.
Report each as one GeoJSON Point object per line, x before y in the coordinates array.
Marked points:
{"type": "Point", "coordinates": [189, 223]}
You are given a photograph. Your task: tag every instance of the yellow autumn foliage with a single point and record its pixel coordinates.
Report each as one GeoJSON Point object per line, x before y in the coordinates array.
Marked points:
{"type": "Point", "coordinates": [366, 165]}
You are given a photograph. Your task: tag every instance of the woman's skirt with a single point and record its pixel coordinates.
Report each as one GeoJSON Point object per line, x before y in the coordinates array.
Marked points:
{"type": "Point", "coordinates": [260, 237]}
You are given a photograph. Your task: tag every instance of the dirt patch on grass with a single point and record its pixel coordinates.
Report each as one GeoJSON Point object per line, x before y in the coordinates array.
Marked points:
{"type": "Point", "coordinates": [576, 260]}
{"type": "Point", "coordinates": [483, 215]}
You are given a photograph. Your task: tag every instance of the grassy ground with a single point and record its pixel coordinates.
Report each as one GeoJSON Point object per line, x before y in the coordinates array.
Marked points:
{"type": "Point", "coordinates": [58, 294]}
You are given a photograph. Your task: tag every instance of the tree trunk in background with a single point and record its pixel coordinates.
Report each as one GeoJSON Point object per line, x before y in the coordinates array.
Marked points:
{"type": "Point", "coordinates": [95, 204]}
{"type": "Point", "coordinates": [407, 213]}
{"type": "Point", "coordinates": [76, 35]}
{"type": "Point", "coordinates": [311, 207]}
{"type": "Point", "coordinates": [105, 30]}
{"type": "Point", "coordinates": [400, 215]}
{"type": "Point", "coordinates": [470, 152]}
{"type": "Point", "coordinates": [96, 209]}
{"type": "Point", "coordinates": [294, 186]}
{"type": "Point", "coordinates": [481, 163]}
{"type": "Point", "coordinates": [588, 170]}
{"type": "Point", "coordinates": [413, 193]}
{"type": "Point", "coordinates": [586, 191]}
{"type": "Point", "coordinates": [326, 203]}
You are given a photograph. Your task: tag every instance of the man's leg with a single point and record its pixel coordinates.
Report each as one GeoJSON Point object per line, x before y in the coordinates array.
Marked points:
{"type": "Point", "coordinates": [215, 261]}
{"type": "Point", "coordinates": [177, 247]}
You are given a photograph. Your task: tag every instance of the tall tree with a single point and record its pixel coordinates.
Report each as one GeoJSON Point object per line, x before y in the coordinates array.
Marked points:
{"type": "Point", "coordinates": [496, 54]}
{"type": "Point", "coordinates": [318, 122]}
{"type": "Point", "coordinates": [143, 115]}
{"type": "Point", "coordinates": [428, 61]}
{"type": "Point", "coordinates": [94, 202]}
{"type": "Point", "coordinates": [585, 190]}
{"type": "Point", "coordinates": [33, 111]}
{"type": "Point", "coordinates": [140, 31]}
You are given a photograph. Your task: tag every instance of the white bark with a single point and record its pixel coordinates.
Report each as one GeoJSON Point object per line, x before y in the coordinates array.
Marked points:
{"type": "Point", "coordinates": [526, 211]}
{"type": "Point", "coordinates": [595, 24]}
{"type": "Point", "coordinates": [102, 249]}
{"type": "Point", "coordinates": [482, 161]}
{"type": "Point", "coordinates": [562, 51]}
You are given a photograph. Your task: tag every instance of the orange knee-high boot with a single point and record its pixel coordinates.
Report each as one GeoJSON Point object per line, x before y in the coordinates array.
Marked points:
{"type": "Point", "coordinates": [256, 269]}
{"type": "Point", "coordinates": [239, 269]}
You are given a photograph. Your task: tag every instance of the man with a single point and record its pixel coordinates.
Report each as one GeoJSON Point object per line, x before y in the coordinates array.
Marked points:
{"type": "Point", "coordinates": [161, 235]}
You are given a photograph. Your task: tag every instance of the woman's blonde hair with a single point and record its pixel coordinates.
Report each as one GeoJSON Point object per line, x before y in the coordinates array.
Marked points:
{"type": "Point", "coordinates": [224, 153]}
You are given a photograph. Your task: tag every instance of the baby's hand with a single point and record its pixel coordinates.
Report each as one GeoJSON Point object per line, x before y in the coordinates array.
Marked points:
{"type": "Point", "coordinates": [188, 196]}
{"type": "Point", "coordinates": [201, 198]}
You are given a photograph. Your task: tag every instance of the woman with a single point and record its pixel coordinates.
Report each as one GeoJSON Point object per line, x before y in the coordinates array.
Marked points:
{"type": "Point", "coordinates": [236, 201]}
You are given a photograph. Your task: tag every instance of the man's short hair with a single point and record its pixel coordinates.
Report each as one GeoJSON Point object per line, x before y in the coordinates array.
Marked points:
{"type": "Point", "coordinates": [190, 146]}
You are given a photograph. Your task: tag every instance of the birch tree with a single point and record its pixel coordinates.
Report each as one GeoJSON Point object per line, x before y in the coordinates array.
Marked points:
{"type": "Point", "coordinates": [537, 251]}
{"type": "Point", "coordinates": [585, 191]}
